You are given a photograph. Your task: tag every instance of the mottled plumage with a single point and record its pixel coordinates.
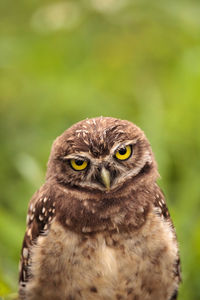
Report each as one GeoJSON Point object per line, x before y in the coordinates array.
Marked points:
{"type": "Point", "coordinates": [99, 227]}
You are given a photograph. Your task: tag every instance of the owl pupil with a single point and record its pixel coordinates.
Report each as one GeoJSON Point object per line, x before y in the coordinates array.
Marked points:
{"type": "Point", "coordinates": [78, 162]}
{"type": "Point", "coordinates": [122, 151]}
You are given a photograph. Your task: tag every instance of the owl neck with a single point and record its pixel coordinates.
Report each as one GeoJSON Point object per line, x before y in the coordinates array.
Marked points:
{"type": "Point", "coordinates": [85, 212]}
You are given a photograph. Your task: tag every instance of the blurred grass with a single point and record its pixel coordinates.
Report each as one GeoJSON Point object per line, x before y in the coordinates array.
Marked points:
{"type": "Point", "coordinates": [61, 62]}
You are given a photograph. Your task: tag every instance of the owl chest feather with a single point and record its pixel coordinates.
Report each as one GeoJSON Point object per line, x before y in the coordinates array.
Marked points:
{"type": "Point", "coordinates": [104, 265]}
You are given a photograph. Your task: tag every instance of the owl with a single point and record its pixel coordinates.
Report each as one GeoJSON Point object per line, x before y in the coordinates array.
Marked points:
{"type": "Point", "coordinates": [99, 227]}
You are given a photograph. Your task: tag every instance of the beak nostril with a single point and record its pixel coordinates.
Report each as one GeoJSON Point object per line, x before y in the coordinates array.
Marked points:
{"type": "Point", "coordinates": [106, 165]}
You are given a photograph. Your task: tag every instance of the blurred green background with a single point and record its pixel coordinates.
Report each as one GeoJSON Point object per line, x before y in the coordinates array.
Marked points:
{"type": "Point", "coordinates": [61, 62]}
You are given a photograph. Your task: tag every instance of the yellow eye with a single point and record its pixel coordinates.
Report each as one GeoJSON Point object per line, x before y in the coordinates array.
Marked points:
{"type": "Point", "coordinates": [124, 153]}
{"type": "Point", "coordinates": [78, 164]}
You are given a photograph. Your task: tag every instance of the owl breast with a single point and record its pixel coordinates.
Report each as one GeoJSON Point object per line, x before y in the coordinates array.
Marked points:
{"type": "Point", "coordinates": [104, 265]}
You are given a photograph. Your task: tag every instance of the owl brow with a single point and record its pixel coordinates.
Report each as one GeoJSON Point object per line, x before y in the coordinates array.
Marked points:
{"type": "Point", "coordinates": [116, 146]}
{"type": "Point", "coordinates": [82, 155]}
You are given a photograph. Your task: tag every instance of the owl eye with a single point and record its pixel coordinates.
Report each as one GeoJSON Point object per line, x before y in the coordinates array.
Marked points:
{"type": "Point", "coordinates": [78, 164]}
{"type": "Point", "coordinates": [124, 153]}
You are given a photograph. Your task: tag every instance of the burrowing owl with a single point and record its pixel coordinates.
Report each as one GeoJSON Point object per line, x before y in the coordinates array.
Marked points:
{"type": "Point", "coordinates": [99, 227]}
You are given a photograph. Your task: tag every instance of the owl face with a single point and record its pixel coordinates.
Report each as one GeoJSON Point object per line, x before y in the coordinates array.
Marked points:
{"type": "Point", "coordinates": [100, 154]}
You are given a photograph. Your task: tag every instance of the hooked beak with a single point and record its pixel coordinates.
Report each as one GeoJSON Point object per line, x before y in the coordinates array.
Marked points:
{"type": "Point", "coordinates": [105, 176]}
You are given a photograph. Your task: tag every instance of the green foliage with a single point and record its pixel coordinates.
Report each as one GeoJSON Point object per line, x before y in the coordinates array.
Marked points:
{"type": "Point", "coordinates": [61, 62]}
{"type": "Point", "coordinates": [13, 296]}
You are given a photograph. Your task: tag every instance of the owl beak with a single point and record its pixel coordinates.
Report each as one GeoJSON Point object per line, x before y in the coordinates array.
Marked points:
{"type": "Point", "coordinates": [105, 176]}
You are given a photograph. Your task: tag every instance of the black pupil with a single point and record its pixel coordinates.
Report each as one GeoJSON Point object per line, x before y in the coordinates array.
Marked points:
{"type": "Point", "coordinates": [122, 151]}
{"type": "Point", "coordinates": [79, 162]}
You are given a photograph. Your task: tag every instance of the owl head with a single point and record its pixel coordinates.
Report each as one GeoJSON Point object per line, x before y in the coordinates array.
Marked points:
{"type": "Point", "coordinates": [102, 154]}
